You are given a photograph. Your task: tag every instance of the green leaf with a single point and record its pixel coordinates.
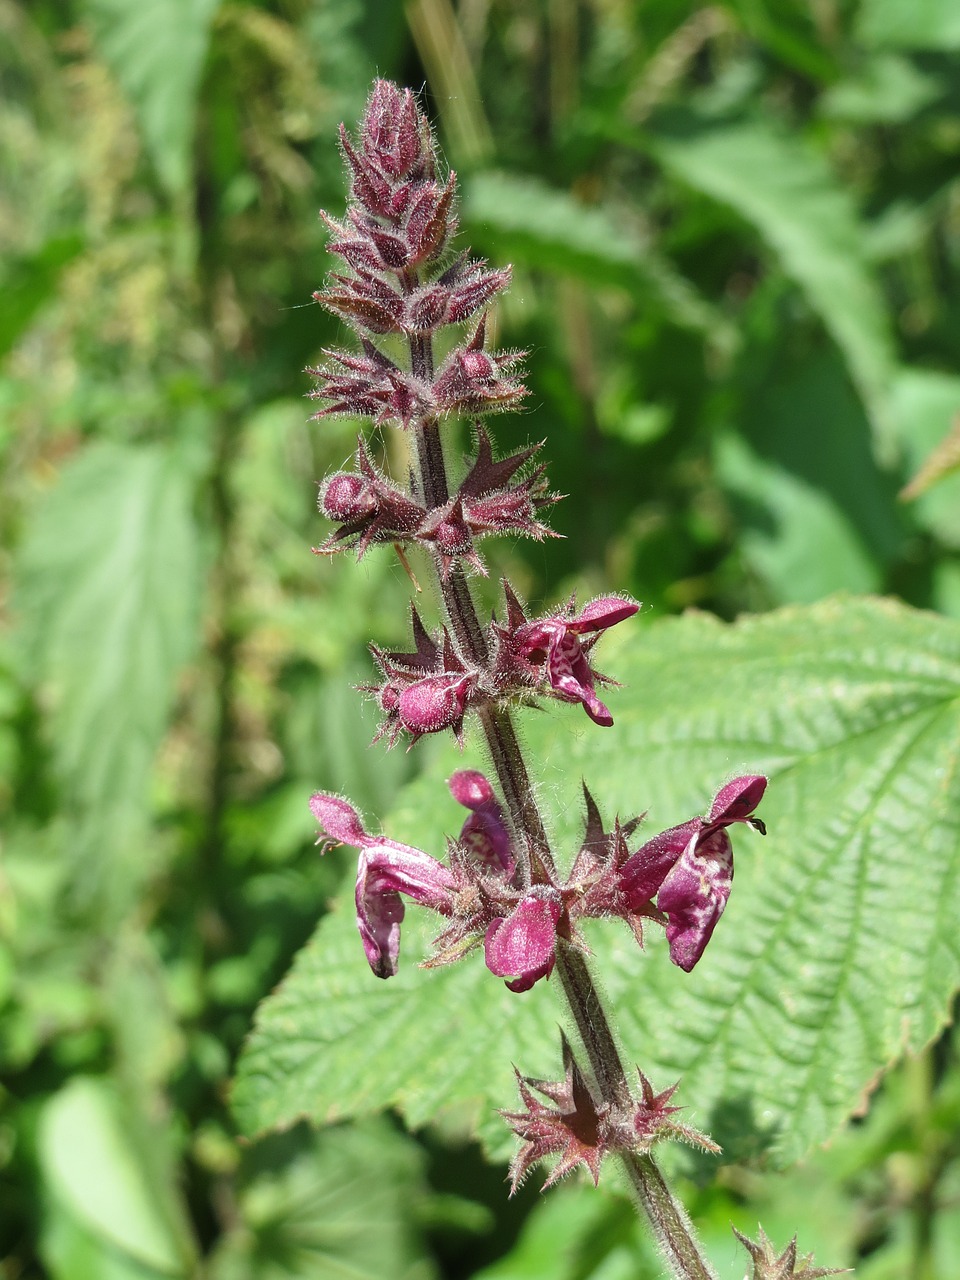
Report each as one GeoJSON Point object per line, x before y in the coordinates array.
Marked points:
{"type": "Point", "coordinates": [157, 51]}
{"type": "Point", "coordinates": [922, 24]}
{"type": "Point", "coordinates": [91, 1166]}
{"type": "Point", "coordinates": [786, 190]}
{"type": "Point", "coordinates": [107, 589]}
{"type": "Point", "coordinates": [837, 953]}
{"type": "Point", "coordinates": [340, 1203]}
{"type": "Point", "coordinates": [540, 226]}
{"type": "Point", "coordinates": [802, 546]}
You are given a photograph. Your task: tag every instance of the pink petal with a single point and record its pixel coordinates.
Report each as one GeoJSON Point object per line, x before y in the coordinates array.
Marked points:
{"type": "Point", "coordinates": [524, 943]}
{"type": "Point", "coordinates": [339, 819]}
{"type": "Point", "coordinates": [695, 893]}
{"type": "Point", "coordinates": [385, 870]}
{"type": "Point", "coordinates": [602, 613]}
{"type": "Point", "coordinates": [738, 799]}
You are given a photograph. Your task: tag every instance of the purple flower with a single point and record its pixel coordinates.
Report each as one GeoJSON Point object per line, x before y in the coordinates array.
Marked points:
{"type": "Point", "coordinates": [690, 869]}
{"type": "Point", "coordinates": [476, 893]}
{"type": "Point", "coordinates": [553, 652]}
{"type": "Point", "coordinates": [425, 691]}
{"type": "Point", "coordinates": [385, 870]}
{"type": "Point", "coordinates": [484, 836]}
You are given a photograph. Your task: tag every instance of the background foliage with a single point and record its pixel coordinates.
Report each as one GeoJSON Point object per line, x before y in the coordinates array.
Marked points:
{"type": "Point", "coordinates": [736, 238]}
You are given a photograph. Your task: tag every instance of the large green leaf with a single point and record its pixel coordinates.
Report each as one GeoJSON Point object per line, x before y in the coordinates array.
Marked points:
{"type": "Point", "coordinates": [157, 51]}
{"type": "Point", "coordinates": [786, 190]}
{"type": "Point", "coordinates": [839, 948]}
{"type": "Point", "coordinates": [108, 593]}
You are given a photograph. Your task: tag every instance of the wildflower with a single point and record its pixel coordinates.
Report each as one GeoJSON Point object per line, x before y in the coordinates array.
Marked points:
{"type": "Point", "coordinates": [477, 892]}
{"type": "Point", "coordinates": [386, 870]}
{"type": "Point", "coordinates": [689, 869]}
{"type": "Point", "coordinates": [552, 654]}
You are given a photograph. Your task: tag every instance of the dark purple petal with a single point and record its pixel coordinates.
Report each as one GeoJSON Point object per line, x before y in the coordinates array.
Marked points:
{"type": "Point", "coordinates": [645, 871]}
{"type": "Point", "coordinates": [524, 943]}
{"type": "Point", "coordinates": [695, 893]}
{"type": "Point", "coordinates": [736, 801]}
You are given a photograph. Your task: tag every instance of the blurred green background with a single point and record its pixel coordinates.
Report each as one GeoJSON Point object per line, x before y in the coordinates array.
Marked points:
{"type": "Point", "coordinates": [736, 239]}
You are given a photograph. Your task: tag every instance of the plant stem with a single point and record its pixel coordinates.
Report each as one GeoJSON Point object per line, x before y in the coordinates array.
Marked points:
{"type": "Point", "coordinates": [668, 1220]}
{"type": "Point", "coordinates": [667, 1217]}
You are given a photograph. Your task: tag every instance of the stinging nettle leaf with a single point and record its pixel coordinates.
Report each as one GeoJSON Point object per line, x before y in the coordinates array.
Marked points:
{"type": "Point", "coordinates": [108, 592]}
{"type": "Point", "coordinates": [838, 950]}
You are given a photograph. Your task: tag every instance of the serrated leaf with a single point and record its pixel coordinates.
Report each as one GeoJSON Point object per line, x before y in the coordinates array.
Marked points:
{"type": "Point", "coordinates": [107, 590]}
{"type": "Point", "coordinates": [922, 24]}
{"type": "Point", "coordinates": [786, 190]}
{"type": "Point", "coordinates": [157, 51]}
{"type": "Point", "coordinates": [838, 950]}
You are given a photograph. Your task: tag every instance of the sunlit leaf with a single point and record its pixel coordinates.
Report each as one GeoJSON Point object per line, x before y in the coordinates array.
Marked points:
{"type": "Point", "coordinates": [107, 590]}
{"type": "Point", "coordinates": [91, 1163]}
{"type": "Point", "coordinates": [838, 950]}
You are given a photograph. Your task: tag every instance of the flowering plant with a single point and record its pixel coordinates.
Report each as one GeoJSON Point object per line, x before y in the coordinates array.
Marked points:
{"type": "Point", "coordinates": [500, 884]}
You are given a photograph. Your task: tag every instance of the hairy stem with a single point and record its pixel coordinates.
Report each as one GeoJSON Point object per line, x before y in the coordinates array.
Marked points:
{"type": "Point", "coordinates": [667, 1217]}
{"type": "Point", "coordinates": [668, 1220]}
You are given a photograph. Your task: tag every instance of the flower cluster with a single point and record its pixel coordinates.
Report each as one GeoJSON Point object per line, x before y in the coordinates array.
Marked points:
{"type": "Point", "coordinates": [581, 1129]}
{"type": "Point", "coordinates": [433, 687]}
{"type": "Point", "coordinates": [369, 508]}
{"type": "Point", "coordinates": [679, 879]}
{"type": "Point", "coordinates": [393, 238]}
